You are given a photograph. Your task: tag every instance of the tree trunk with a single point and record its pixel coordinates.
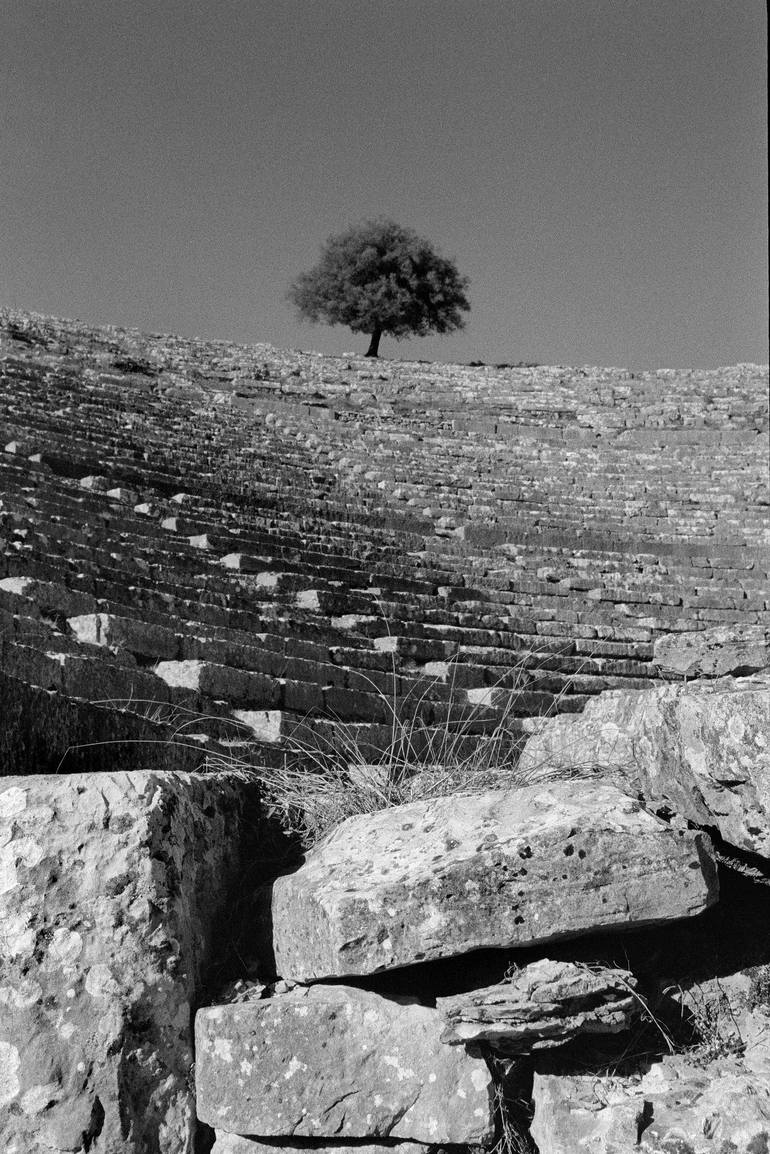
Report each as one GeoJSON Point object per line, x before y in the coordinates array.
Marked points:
{"type": "Point", "coordinates": [374, 343]}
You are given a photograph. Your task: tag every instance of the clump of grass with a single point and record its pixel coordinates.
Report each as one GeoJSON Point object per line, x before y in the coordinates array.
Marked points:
{"type": "Point", "coordinates": [325, 780]}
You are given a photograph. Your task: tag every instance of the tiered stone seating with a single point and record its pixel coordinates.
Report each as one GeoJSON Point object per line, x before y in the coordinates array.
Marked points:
{"type": "Point", "coordinates": [237, 544]}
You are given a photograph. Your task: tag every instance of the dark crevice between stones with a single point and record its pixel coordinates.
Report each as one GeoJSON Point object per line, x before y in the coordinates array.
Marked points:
{"type": "Point", "coordinates": [514, 1107]}
{"type": "Point", "coordinates": [95, 1125]}
{"type": "Point", "coordinates": [241, 935]}
{"type": "Point", "coordinates": [750, 865]}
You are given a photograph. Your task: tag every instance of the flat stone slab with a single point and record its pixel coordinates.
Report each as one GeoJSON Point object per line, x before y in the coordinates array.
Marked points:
{"type": "Point", "coordinates": [702, 750]}
{"type": "Point", "coordinates": [338, 1062]}
{"type": "Point", "coordinates": [544, 1004]}
{"type": "Point", "coordinates": [728, 649]}
{"type": "Point", "coordinates": [437, 878]}
{"type": "Point", "coordinates": [676, 1108]}
{"type": "Point", "coordinates": [110, 886]}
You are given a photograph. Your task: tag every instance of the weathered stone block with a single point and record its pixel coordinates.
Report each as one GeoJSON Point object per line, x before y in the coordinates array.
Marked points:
{"type": "Point", "coordinates": [437, 878]}
{"type": "Point", "coordinates": [109, 886]}
{"type": "Point", "coordinates": [338, 1062]}
{"type": "Point", "coordinates": [702, 749]}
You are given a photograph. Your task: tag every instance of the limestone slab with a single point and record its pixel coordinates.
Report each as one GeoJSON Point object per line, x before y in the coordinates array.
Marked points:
{"type": "Point", "coordinates": [437, 878]}
{"type": "Point", "coordinates": [110, 885]}
{"type": "Point", "coordinates": [677, 1107]}
{"type": "Point", "coordinates": [542, 1005]}
{"type": "Point", "coordinates": [701, 749]}
{"type": "Point", "coordinates": [338, 1062]}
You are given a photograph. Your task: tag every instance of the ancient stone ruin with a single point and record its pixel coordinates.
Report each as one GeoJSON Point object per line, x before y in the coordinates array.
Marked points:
{"type": "Point", "coordinates": [385, 753]}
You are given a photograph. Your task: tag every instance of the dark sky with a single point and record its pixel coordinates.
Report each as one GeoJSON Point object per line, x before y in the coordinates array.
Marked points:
{"type": "Point", "coordinates": [596, 167]}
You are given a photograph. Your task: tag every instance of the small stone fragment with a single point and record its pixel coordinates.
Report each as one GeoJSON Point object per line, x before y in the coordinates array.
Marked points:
{"type": "Point", "coordinates": [544, 1004]}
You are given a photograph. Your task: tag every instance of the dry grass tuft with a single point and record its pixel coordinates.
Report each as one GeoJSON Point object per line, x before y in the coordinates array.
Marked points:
{"type": "Point", "coordinates": [326, 780]}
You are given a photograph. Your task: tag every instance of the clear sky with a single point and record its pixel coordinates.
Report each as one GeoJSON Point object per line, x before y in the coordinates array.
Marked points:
{"type": "Point", "coordinates": [596, 167]}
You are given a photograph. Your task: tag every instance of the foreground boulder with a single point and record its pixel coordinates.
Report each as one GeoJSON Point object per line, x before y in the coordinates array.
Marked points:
{"type": "Point", "coordinates": [702, 750]}
{"type": "Point", "coordinates": [109, 887]}
{"type": "Point", "coordinates": [677, 1107]}
{"type": "Point", "coordinates": [544, 1004]}
{"type": "Point", "coordinates": [735, 650]}
{"type": "Point", "coordinates": [437, 878]}
{"type": "Point", "coordinates": [338, 1062]}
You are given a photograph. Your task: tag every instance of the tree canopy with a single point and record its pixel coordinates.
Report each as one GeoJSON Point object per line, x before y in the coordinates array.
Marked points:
{"type": "Point", "coordinates": [379, 278]}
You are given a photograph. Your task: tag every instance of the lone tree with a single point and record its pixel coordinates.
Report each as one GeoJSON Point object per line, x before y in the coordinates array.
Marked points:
{"type": "Point", "coordinates": [381, 278]}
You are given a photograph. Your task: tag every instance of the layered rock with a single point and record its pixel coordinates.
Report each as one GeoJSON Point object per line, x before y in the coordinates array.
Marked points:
{"type": "Point", "coordinates": [337, 1061]}
{"type": "Point", "coordinates": [735, 650]}
{"type": "Point", "coordinates": [510, 868]}
{"type": "Point", "coordinates": [702, 750]}
{"type": "Point", "coordinates": [675, 1108]}
{"type": "Point", "coordinates": [544, 1004]}
{"type": "Point", "coordinates": [110, 885]}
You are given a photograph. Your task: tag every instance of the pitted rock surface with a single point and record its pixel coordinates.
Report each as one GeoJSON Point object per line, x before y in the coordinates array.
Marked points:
{"type": "Point", "coordinates": [674, 1108]}
{"type": "Point", "coordinates": [109, 887]}
{"type": "Point", "coordinates": [338, 1062]}
{"type": "Point", "coordinates": [510, 868]}
{"type": "Point", "coordinates": [544, 1004]}
{"type": "Point", "coordinates": [702, 749]}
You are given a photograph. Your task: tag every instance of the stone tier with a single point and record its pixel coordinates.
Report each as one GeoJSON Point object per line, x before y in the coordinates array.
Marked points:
{"type": "Point", "coordinates": [241, 544]}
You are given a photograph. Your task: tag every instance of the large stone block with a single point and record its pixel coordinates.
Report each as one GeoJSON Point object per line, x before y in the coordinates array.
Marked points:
{"type": "Point", "coordinates": [677, 1107]}
{"type": "Point", "coordinates": [701, 749]}
{"type": "Point", "coordinates": [109, 887]}
{"type": "Point", "coordinates": [437, 878]}
{"type": "Point", "coordinates": [338, 1062]}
